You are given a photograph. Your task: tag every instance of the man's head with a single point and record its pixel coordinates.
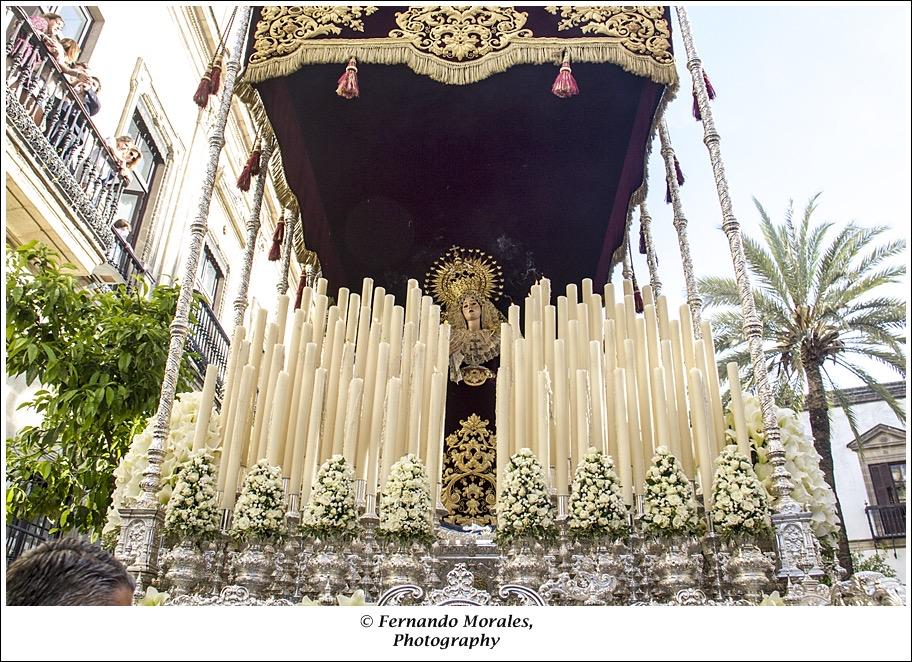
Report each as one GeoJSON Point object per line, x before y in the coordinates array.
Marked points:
{"type": "Point", "coordinates": [68, 572]}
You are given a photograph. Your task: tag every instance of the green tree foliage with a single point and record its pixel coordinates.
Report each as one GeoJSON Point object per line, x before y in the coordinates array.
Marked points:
{"type": "Point", "coordinates": [820, 301]}
{"type": "Point", "coordinates": [99, 357]}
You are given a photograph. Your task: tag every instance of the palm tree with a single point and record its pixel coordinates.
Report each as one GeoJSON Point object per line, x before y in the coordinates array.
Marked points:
{"type": "Point", "coordinates": [820, 305]}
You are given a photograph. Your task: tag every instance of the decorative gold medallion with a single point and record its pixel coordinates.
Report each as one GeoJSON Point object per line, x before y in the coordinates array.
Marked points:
{"type": "Point", "coordinates": [281, 30]}
{"type": "Point", "coordinates": [476, 375]}
{"type": "Point", "coordinates": [469, 474]}
{"type": "Point", "coordinates": [460, 33]}
{"type": "Point", "coordinates": [642, 30]}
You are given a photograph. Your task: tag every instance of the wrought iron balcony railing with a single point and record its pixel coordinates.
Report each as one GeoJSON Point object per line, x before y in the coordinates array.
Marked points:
{"type": "Point", "coordinates": [209, 344]}
{"type": "Point", "coordinates": [127, 264]}
{"type": "Point", "coordinates": [53, 124]}
{"type": "Point", "coordinates": [887, 521]}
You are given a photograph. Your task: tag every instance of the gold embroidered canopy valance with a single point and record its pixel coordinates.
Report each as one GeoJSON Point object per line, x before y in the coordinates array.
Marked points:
{"type": "Point", "coordinates": [461, 45]}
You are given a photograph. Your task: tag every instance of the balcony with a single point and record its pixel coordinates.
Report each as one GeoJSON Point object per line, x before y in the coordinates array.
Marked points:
{"type": "Point", "coordinates": [63, 178]}
{"type": "Point", "coordinates": [887, 521]}
{"type": "Point", "coordinates": [208, 343]}
{"type": "Point", "coordinates": [130, 267]}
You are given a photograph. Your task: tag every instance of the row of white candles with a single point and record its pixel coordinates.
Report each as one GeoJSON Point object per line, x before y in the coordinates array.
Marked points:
{"type": "Point", "coordinates": [589, 372]}
{"type": "Point", "coordinates": [364, 378]}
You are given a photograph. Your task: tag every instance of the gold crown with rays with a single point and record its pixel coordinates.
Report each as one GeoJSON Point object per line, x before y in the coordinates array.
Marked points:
{"type": "Point", "coordinates": [462, 270]}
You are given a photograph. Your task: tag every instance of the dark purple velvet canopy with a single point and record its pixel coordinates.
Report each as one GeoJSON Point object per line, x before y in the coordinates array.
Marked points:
{"type": "Point", "coordinates": [388, 181]}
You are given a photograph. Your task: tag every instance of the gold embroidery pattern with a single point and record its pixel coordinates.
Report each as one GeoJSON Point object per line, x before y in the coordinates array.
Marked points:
{"type": "Point", "coordinates": [281, 30]}
{"type": "Point", "coordinates": [469, 474]}
{"type": "Point", "coordinates": [642, 30]}
{"type": "Point", "coordinates": [460, 33]}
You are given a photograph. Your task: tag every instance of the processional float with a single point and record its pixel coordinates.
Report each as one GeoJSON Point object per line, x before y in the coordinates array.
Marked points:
{"type": "Point", "coordinates": [460, 396]}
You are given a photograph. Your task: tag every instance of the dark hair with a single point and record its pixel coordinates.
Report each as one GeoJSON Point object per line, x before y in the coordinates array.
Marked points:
{"type": "Point", "coordinates": [97, 83]}
{"type": "Point", "coordinates": [66, 572]}
{"type": "Point", "coordinates": [51, 16]}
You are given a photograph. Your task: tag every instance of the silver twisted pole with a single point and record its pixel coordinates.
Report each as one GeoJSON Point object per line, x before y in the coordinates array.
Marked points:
{"type": "Point", "coordinates": [628, 259]}
{"type": "Point", "coordinates": [253, 229]}
{"type": "Point", "coordinates": [651, 260]}
{"type": "Point", "coordinates": [291, 217]}
{"type": "Point", "coordinates": [694, 302]}
{"type": "Point", "coordinates": [151, 480]}
{"type": "Point", "coordinates": [796, 543]}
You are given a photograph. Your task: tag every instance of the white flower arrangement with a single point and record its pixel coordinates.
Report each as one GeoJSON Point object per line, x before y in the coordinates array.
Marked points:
{"type": "Point", "coordinates": [597, 507]}
{"type": "Point", "coordinates": [405, 503]}
{"type": "Point", "coordinates": [260, 509]}
{"type": "Point", "coordinates": [193, 509]}
{"type": "Point", "coordinates": [524, 508]}
{"type": "Point", "coordinates": [178, 445]}
{"type": "Point", "coordinates": [669, 507]}
{"type": "Point", "coordinates": [740, 505]}
{"type": "Point", "coordinates": [331, 512]}
{"type": "Point", "coordinates": [801, 461]}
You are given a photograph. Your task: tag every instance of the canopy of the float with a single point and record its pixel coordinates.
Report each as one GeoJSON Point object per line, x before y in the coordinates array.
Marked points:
{"type": "Point", "coordinates": [456, 137]}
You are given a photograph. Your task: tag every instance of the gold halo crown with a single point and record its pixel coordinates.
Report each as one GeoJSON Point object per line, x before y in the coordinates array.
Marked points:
{"type": "Point", "coordinates": [462, 270]}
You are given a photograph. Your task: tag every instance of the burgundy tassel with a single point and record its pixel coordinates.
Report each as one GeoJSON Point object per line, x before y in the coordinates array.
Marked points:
{"type": "Point", "coordinates": [251, 168]}
{"type": "Point", "coordinates": [710, 92]}
{"type": "Point", "coordinates": [203, 90]}
{"type": "Point", "coordinates": [348, 82]}
{"type": "Point", "coordinates": [642, 241]}
{"type": "Point", "coordinates": [276, 251]}
{"type": "Point", "coordinates": [216, 76]}
{"type": "Point", "coordinates": [679, 174]}
{"type": "Point", "coordinates": [302, 282]}
{"type": "Point", "coordinates": [565, 84]}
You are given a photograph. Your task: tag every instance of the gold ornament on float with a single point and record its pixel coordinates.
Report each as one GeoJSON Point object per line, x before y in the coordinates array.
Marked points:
{"type": "Point", "coordinates": [469, 481]}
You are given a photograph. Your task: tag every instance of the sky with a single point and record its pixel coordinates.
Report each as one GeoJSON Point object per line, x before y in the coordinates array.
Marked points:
{"type": "Point", "coordinates": [810, 99]}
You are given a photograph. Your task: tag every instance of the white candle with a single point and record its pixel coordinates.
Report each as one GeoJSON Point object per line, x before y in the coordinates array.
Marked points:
{"type": "Point", "coordinates": [416, 394]}
{"type": "Point", "coordinates": [623, 435]}
{"type": "Point", "coordinates": [386, 323]}
{"type": "Point", "coordinates": [405, 375]}
{"type": "Point", "coordinates": [653, 357]}
{"type": "Point", "coordinates": [543, 421]}
{"type": "Point", "coordinates": [737, 407]}
{"type": "Point", "coordinates": [548, 336]}
{"type": "Point", "coordinates": [207, 399]}
{"type": "Point", "coordinates": [620, 321]}
{"type": "Point", "coordinates": [321, 285]}
{"type": "Point", "coordinates": [687, 336]}
{"type": "Point", "coordinates": [662, 312]}
{"type": "Point", "coordinates": [230, 408]}
{"type": "Point", "coordinates": [362, 342]}
{"type": "Point", "coordinates": [430, 361]}
{"type": "Point", "coordinates": [645, 401]}
{"type": "Point", "coordinates": [701, 431]}
{"type": "Point", "coordinates": [572, 301]}
{"type": "Point", "coordinates": [376, 418]}
{"type": "Point", "coordinates": [412, 303]}
{"type": "Point", "coordinates": [502, 423]}
{"type": "Point", "coordinates": [282, 316]}
{"type": "Point", "coordinates": [519, 397]}
{"type": "Point", "coordinates": [582, 329]}
{"type": "Point", "coordinates": [663, 437]}
{"type": "Point", "coordinates": [294, 366]}
{"type": "Point", "coordinates": [367, 290]}
{"type": "Point", "coordinates": [343, 302]}
{"type": "Point", "coordinates": [597, 397]}
{"type": "Point", "coordinates": [506, 345]}
{"type": "Point", "coordinates": [630, 315]}
{"type": "Point", "coordinates": [714, 387]}
{"type": "Point", "coordinates": [609, 304]}
{"type": "Point", "coordinates": [370, 381]}
{"type": "Point", "coordinates": [352, 419]}
{"type": "Point", "coordinates": [256, 343]}
{"type": "Point", "coordinates": [633, 416]}
{"type": "Point", "coordinates": [434, 433]}
{"type": "Point", "coordinates": [376, 307]}
{"type": "Point", "coordinates": [395, 340]}
{"type": "Point", "coordinates": [572, 366]}
{"type": "Point", "coordinates": [276, 421]}
{"type": "Point", "coordinates": [648, 298]}
{"type": "Point", "coordinates": [513, 319]}
{"type": "Point", "coordinates": [307, 301]}
{"type": "Point", "coordinates": [587, 289]}
{"type": "Point", "coordinates": [680, 373]}
{"type": "Point", "coordinates": [561, 415]}
{"type": "Point", "coordinates": [301, 404]}
{"type": "Point", "coordinates": [329, 342]}
{"type": "Point", "coordinates": [318, 318]}
{"type": "Point", "coordinates": [233, 465]}
{"type": "Point", "coordinates": [426, 303]}
{"type": "Point", "coordinates": [314, 421]}
{"type": "Point", "coordinates": [596, 318]}
{"type": "Point", "coordinates": [671, 403]}
{"type": "Point", "coordinates": [353, 314]}
{"type": "Point", "coordinates": [346, 374]}
{"type": "Point", "coordinates": [268, 372]}
{"type": "Point", "coordinates": [582, 414]}
{"type": "Point", "coordinates": [628, 287]}
{"type": "Point", "coordinates": [332, 389]}
{"type": "Point", "coordinates": [610, 406]}
{"type": "Point", "coordinates": [562, 318]}
{"type": "Point", "coordinates": [390, 428]}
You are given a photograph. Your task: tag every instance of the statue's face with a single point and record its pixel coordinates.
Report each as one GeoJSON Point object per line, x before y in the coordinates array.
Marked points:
{"type": "Point", "coordinates": [471, 309]}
